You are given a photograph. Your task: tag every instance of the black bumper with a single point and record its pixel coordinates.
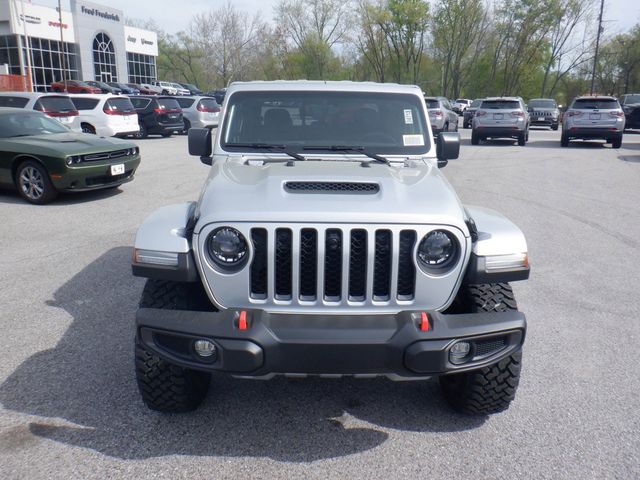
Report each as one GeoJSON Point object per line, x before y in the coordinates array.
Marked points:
{"type": "Point", "coordinates": [547, 122]}
{"type": "Point", "coordinates": [393, 344]}
{"type": "Point", "coordinates": [593, 133]}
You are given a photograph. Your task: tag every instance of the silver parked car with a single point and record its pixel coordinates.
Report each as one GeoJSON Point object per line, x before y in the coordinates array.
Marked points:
{"type": "Point", "coordinates": [326, 241]}
{"type": "Point", "coordinates": [441, 115]}
{"type": "Point", "coordinates": [501, 117]}
{"type": "Point", "coordinates": [199, 112]}
{"type": "Point", "coordinates": [460, 105]}
{"type": "Point", "coordinates": [589, 118]}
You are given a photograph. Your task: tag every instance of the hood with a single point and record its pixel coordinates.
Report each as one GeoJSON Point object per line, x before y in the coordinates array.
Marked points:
{"type": "Point", "coordinates": [71, 143]}
{"type": "Point", "coordinates": [417, 194]}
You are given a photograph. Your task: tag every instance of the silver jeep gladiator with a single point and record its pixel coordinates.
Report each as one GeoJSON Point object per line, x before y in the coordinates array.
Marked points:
{"type": "Point", "coordinates": [327, 242]}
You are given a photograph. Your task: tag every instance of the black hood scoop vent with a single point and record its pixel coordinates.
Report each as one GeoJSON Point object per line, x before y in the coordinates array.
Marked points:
{"type": "Point", "coordinates": [349, 188]}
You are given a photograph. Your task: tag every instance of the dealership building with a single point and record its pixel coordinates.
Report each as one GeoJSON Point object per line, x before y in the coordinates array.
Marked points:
{"type": "Point", "coordinates": [88, 42]}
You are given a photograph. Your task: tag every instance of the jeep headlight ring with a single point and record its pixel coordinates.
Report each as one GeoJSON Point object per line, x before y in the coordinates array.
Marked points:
{"type": "Point", "coordinates": [437, 251]}
{"type": "Point", "coordinates": [227, 248]}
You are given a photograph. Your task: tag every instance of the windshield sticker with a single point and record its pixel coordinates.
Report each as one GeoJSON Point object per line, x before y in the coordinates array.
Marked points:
{"type": "Point", "coordinates": [408, 117]}
{"type": "Point", "coordinates": [413, 140]}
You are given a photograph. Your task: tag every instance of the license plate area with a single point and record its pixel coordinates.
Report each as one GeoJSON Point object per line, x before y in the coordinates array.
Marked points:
{"type": "Point", "coordinates": [594, 116]}
{"type": "Point", "coordinates": [541, 119]}
{"type": "Point", "coordinates": [498, 116]}
{"type": "Point", "coordinates": [117, 169]}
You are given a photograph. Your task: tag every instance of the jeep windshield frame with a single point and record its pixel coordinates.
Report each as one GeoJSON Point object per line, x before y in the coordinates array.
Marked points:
{"type": "Point", "coordinates": [380, 123]}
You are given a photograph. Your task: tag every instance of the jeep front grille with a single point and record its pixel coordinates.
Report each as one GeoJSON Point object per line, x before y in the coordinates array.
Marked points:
{"type": "Point", "coordinates": [333, 264]}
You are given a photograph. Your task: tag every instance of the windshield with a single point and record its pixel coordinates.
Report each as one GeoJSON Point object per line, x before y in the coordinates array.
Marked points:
{"type": "Point", "coordinates": [500, 104]}
{"type": "Point", "coordinates": [542, 104]}
{"type": "Point", "coordinates": [120, 105]}
{"type": "Point", "coordinates": [25, 124]}
{"type": "Point", "coordinates": [476, 103]}
{"type": "Point", "coordinates": [595, 103]}
{"type": "Point", "coordinates": [383, 123]}
{"type": "Point", "coordinates": [169, 104]}
{"type": "Point", "coordinates": [431, 103]}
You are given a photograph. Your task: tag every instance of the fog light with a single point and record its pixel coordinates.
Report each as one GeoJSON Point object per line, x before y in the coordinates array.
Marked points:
{"type": "Point", "coordinates": [459, 352]}
{"type": "Point", "coordinates": [204, 348]}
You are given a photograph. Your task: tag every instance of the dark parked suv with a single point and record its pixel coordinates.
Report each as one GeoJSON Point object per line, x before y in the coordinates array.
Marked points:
{"type": "Point", "coordinates": [160, 115]}
{"type": "Point", "coordinates": [630, 103]}
{"type": "Point", "coordinates": [544, 112]}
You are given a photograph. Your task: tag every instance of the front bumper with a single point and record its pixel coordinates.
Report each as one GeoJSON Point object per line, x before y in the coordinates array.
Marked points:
{"type": "Point", "coordinates": [547, 122]}
{"type": "Point", "coordinates": [89, 176]}
{"type": "Point", "coordinates": [393, 345]}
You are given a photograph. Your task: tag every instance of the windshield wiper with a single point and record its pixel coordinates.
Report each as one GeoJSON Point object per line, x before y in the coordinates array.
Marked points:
{"type": "Point", "coordinates": [269, 146]}
{"type": "Point", "coordinates": [349, 148]}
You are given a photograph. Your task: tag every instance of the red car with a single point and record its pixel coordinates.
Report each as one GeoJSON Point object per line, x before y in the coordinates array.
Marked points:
{"type": "Point", "coordinates": [74, 86]}
{"type": "Point", "coordinates": [143, 90]}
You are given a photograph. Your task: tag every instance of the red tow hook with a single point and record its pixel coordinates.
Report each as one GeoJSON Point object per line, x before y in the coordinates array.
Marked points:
{"type": "Point", "coordinates": [424, 322]}
{"type": "Point", "coordinates": [242, 320]}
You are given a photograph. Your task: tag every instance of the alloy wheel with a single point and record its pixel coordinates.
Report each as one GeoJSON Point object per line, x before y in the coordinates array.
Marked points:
{"type": "Point", "coordinates": [32, 183]}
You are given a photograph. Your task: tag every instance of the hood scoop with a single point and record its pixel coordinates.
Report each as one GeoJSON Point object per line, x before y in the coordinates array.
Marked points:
{"type": "Point", "coordinates": [348, 188]}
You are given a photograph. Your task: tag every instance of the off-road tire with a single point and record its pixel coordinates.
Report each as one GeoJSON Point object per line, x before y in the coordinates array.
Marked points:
{"type": "Point", "coordinates": [522, 139]}
{"type": "Point", "coordinates": [564, 141]}
{"type": "Point", "coordinates": [554, 127]}
{"type": "Point", "coordinates": [475, 138]}
{"type": "Point", "coordinates": [492, 388]}
{"type": "Point", "coordinates": [616, 142]}
{"type": "Point", "coordinates": [166, 387]}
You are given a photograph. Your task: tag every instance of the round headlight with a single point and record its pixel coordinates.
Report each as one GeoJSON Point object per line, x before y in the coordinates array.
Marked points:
{"type": "Point", "coordinates": [437, 249]}
{"type": "Point", "coordinates": [227, 247]}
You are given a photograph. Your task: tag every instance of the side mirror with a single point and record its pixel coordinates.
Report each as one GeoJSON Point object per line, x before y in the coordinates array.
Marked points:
{"type": "Point", "coordinates": [200, 144]}
{"type": "Point", "coordinates": [447, 147]}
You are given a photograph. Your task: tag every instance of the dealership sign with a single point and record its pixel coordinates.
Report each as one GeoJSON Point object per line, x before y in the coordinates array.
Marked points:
{"type": "Point", "coordinates": [141, 41]}
{"type": "Point", "coordinates": [40, 22]}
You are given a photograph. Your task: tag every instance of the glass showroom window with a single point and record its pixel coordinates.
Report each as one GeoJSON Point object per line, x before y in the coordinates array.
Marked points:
{"type": "Point", "coordinates": [142, 68]}
{"type": "Point", "coordinates": [104, 59]}
{"type": "Point", "coordinates": [47, 62]}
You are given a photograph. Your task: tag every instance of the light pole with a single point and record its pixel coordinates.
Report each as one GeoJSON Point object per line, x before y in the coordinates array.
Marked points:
{"type": "Point", "coordinates": [64, 56]}
{"type": "Point", "coordinates": [595, 58]}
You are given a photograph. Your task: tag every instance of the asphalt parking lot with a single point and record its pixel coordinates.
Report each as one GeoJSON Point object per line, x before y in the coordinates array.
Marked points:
{"type": "Point", "coordinates": [70, 406]}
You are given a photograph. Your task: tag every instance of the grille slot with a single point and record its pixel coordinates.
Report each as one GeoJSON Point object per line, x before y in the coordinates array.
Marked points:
{"type": "Point", "coordinates": [489, 346]}
{"type": "Point", "coordinates": [258, 272]}
{"type": "Point", "coordinates": [308, 264]}
{"type": "Point", "coordinates": [358, 265]}
{"type": "Point", "coordinates": [283, 264]}
{"type": "Point", "coordinates": [333, 265]}
{"type": "Point", "coordinates": [382, 266]}
{"type": "Point", "coordinates": [332, 187]}
{"type": "Point", "coordinates": [406, 269]}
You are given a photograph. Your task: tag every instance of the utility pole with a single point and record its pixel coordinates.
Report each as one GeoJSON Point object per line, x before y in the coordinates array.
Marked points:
{"type": "Point", "coordinates": [595, 58]}
{"type": "Point", "coordinates": [27, 43]}
{"type": "Point", "coordinates": [64, 54]}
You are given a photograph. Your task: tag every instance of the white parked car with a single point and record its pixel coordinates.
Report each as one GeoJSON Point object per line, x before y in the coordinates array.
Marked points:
{"type": "Point", "coordinates": [180, 89]}
{"type": "Point", "coordinates": [54, 105]}
{"type": "Point", "coordinates": [106, 115]}
{"type": "Point", "coordinates": [167, 88]}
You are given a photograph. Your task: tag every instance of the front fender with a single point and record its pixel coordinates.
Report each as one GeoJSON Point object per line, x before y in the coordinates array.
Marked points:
{"type": "Point", "coordinates": [162, 247]}
{"type": "Point", "coordinates": [500, 252]}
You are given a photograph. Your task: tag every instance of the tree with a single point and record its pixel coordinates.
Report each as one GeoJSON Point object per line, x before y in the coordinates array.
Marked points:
{"type": "Point", "coordinates": [314, 27]}
{"type": "Point", "coordinates": [569, 45]}
{"type": "Point", "coordinates": [459, 27]}
{"type": "Point", "coordinates": [370, 39]}
{"type": "Point", "coordinates": [404, 23]}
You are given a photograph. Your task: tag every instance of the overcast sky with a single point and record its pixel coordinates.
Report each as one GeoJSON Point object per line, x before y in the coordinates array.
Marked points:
{"type": "Point", "coordinates": [620, 15]}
